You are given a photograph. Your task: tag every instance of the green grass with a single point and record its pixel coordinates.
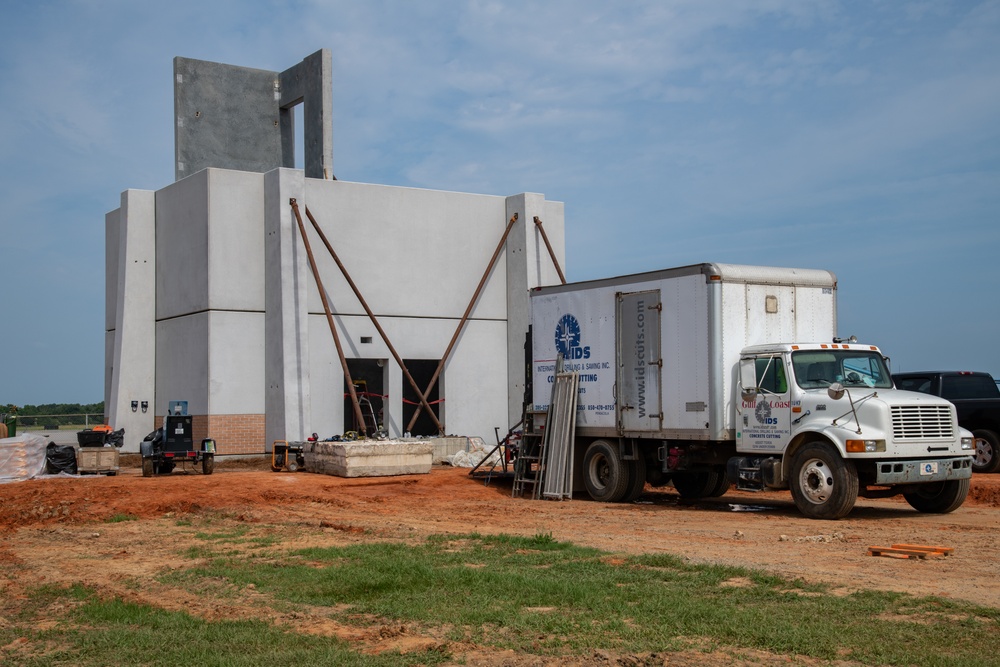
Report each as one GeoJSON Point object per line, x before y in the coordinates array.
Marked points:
{"type": "Point", "coordinates": [533, 595]}
{"type": "Point", "coordinates": [113, 632]}
{"type": "Point", "coordinates": [539, 595]}
{"type": "Point", "coordinates": [119, 517]}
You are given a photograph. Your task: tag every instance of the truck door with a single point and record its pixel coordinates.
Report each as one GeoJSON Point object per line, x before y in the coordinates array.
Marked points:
{"type": "Point", "coordinates": [639, 361]}
{"type": "Point", "coordinates": [765, 421]}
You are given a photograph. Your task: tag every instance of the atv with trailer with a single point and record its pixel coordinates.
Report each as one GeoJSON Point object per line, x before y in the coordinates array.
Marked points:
{"type": "Point", "coordinates": [173, 443]}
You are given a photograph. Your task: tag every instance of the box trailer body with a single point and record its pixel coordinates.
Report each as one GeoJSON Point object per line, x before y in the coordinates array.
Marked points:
{"type": "Point", "coordinates": [666, 342]}
{"type": "Point", "coordinates": [676, 369]}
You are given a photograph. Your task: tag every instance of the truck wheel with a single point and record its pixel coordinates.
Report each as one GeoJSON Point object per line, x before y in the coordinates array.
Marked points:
{"type": "Point", "coordinates": [939, 497]}
{"type": "Point", "coordinates": [636, 479]}
{"type": "Point", "coordinates": [604, 473]}
{"type": "Point", "coordinates": [721, 486]}
{"type": "Point", "coordinates": [208, 464]}
{"type": "Point", "coordinates": [694, 485]}
{"type": "Point", "coordinates": [824, 486]}
{"type": "Point", "coordinates": [987, 457]}
{"type": "Point", "coordinates": [147, 467]}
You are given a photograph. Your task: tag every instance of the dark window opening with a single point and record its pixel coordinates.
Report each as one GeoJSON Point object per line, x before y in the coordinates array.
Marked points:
{"type": "Point", "coordinates": [422, 370]}
{"type": "Point", "coordinates": [367, 375]}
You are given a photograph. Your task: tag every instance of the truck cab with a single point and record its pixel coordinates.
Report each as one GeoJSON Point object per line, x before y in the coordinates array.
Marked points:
{"type": "Point", "coordinates": [825, 421]}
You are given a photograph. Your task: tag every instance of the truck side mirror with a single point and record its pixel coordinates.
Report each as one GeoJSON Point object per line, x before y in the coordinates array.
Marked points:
{"type": "Point", "coordinates": [748, 379]}
{"type": "Point", "coordinates": [835, 391]}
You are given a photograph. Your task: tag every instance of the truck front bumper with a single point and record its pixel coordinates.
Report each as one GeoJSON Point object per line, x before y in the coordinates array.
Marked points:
{"type": "Point", "coordinates": [927, 470]}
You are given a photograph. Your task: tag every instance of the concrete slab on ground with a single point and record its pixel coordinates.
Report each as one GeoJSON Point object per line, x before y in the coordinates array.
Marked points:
{"type": "Point", "coordinates": [368, 458]}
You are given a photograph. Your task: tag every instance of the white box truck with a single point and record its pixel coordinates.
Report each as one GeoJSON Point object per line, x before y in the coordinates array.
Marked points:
{"type": "Point", "coordinates": [713, 374]}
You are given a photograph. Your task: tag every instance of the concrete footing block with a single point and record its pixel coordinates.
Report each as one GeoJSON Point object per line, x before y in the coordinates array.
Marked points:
{"type": "Point", "coordinates": [372, 458]}
{"type": "Point", "coordinates": [445, 447]}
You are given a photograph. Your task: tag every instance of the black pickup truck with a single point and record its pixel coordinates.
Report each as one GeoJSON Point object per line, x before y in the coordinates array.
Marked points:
{"type": "Point", "coordinates": [977, 399]}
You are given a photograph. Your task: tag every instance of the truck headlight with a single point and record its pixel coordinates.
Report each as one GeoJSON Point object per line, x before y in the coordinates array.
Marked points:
{"type": "Point", "coordinates": [968, 443]}
{"type": "Point", "coordinates": [861, 446]}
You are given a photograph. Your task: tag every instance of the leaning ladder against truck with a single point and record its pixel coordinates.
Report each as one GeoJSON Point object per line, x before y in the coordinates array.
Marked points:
{"type": "Point", "coordinates": [713, 374]}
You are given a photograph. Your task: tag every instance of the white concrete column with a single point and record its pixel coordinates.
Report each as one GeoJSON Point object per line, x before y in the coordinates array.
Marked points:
{"type": "Point", "coordinates": [286, 340]}
{"type": "Point", "coordinates": [133, 363]}
{"type": "Point", "coordinates": [392, 378]}
{"type": "Point", "coordinates": [528, 266]}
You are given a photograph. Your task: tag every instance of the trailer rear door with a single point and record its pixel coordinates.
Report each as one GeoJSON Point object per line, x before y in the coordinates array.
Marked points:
{"type": "Point", "coordinates": [639, 361]}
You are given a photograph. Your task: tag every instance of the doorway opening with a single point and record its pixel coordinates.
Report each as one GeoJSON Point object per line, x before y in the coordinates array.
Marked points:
{"type": "Point", "coordinates": [369, 379]}
{"type": "Point", "coordinates": [422, 370]}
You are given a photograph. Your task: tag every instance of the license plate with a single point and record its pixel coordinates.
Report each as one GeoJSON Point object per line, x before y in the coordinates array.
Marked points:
{"type": "Point", "coordinates": [929, 468]}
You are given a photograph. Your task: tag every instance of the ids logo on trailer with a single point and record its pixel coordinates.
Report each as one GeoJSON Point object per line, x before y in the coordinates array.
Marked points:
{"type": "Point", "coordinates": [568, 339]}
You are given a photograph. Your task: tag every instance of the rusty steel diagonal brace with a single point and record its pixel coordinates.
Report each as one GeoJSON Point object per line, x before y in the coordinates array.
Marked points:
{"type": "Point", "coordinates": [461, 324]}
{"type": "Point", "coordinates": [329, 319]}
{"type": "Point", "coordinates": [371, 316]}
{"type": "Point", "coordinates": [552, 254]}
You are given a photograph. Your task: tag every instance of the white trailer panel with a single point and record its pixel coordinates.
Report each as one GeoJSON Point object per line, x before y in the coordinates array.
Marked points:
{"type": "Point", "coordinates": [680, 385]}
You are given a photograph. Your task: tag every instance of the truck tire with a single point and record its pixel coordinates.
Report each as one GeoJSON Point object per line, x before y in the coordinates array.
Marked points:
{"type": "Point", "coordinates": [604, 473]}
{"type": "Point", "coordinates": [721, 486]}
{"type": "Point", "coordinates": [699, 484]}
{"type": "Point", "coordinates": [147, 467]}
{"type": "Point", "coordinates": [987, 457]}
{"type": "Point", "coordinates": [636, 479]}
{"type": "Point", "coordinates": [939, 497]}
{"type": "Point", "coordinates": [823, 485]}
{"type": "Point", "coordinates": [208, 464]}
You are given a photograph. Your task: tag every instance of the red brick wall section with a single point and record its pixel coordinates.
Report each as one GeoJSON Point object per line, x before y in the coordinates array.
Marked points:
{"type": "Point", "coordinates": [233, 434]}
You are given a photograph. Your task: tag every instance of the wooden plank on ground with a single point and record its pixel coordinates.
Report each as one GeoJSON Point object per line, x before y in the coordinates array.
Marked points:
{"type": "Point", "coordinates": [921, 547]}
{"type": "Point", "coordinates": [910, 551]}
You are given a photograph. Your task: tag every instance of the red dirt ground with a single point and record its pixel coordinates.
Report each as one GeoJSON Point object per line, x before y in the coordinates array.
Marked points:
{"type": "Point", "coordinates": [52, 530]}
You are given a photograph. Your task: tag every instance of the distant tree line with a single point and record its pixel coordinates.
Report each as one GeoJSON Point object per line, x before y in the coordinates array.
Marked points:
{"type": "Point", "coordinates": [50, 414]}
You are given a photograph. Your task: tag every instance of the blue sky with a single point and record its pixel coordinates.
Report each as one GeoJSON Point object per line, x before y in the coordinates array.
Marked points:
{"type": "Point", "coordinates": [859, 137]}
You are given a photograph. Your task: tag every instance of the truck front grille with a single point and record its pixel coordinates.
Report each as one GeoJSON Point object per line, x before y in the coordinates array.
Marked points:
{"type": "Point", "coordinates": [922, 422]}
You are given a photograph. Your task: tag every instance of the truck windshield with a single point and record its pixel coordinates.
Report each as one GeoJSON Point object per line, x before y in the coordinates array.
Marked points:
{"type": "Point", "coordinates": [816, 369]}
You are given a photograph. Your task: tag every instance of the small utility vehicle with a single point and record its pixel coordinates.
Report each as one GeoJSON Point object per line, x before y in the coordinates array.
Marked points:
{"type": "Point", "coordinates": [173, 443]}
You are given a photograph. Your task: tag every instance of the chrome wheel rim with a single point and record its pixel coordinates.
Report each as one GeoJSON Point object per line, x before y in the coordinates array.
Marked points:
{"type": "Point", "coordinates": [816, 481]}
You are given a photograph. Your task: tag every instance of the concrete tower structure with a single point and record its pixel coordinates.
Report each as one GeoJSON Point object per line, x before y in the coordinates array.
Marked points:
{"type": "Point", "coordinates": [211, 297]}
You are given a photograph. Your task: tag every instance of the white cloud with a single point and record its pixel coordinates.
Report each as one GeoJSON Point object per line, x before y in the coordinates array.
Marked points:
{"type": "Point", "coordinates": [704, 129]}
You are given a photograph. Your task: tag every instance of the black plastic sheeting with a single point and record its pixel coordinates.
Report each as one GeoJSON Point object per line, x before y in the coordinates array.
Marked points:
{"type": "Point", "coordinates": [60, 458]}
{"type": "Point", "coordinates": [116, 438]}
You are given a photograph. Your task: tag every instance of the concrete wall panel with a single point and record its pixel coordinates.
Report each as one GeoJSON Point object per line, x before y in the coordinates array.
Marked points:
{"type": "Point", "coordinates": [286, 349]}
{"type": "Point", "coordinates": [529, 265]}
{"type": "Point", "coordinates": [235, 367]}
{"type": "Point", "coordinates": [182, 363]}
{"type": "Point", "coordinates": [226, 116]}
{"type": "Point", "coordinates": [111, 231]}
{"type": "Point", "coordinates": [235, 240]}
{"type": "Point", "coordinates": [109, 369]}
{"type": "Point", "coordinates": [475, 386]}
{"type": "Point", "coordinates": [133, 364]}
{"type": "Point", "coordinates": [414, 253]}
{"type": "Point", "coordinates": [182, 247]}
